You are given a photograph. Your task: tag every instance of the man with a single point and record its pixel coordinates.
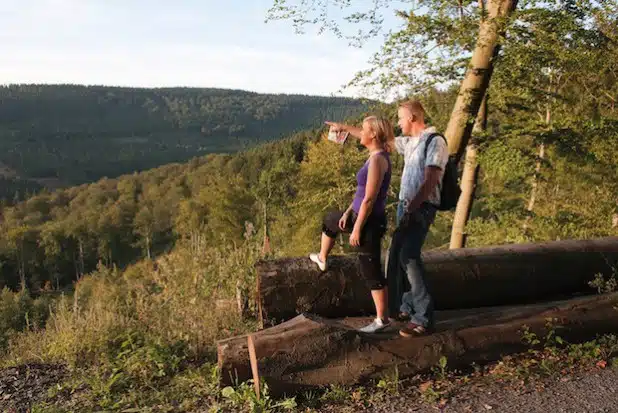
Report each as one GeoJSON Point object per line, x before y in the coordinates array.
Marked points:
{"type": "Point", "coordinates": [418, 197]}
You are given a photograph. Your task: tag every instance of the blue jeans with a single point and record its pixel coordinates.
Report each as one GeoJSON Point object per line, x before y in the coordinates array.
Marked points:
{"type": "Point", "coordinates": [408, 289]}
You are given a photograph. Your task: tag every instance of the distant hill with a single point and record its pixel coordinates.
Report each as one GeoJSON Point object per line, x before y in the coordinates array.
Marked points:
{"type": "Point", "coordinates": [70, 134]}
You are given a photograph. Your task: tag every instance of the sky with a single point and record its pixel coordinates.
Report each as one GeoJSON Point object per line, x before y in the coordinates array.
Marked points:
{"type": "Point", "coordinates": [161, 43]}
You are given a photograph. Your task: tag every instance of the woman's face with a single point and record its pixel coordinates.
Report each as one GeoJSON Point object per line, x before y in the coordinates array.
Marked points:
{"type": "Point", "coordinates": [367, 135]}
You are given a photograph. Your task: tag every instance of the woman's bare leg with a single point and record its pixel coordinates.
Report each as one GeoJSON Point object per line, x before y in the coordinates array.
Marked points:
{"type": "Point", "coordinates": [326, 246]}
{"type": "Point", "coordinates": [380, 299]}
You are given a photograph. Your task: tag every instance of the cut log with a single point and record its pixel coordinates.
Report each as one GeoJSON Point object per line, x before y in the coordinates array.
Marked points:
{"type": "Point", "coordinates": [290, 286]}
{"type": "Point", "coordinates": [233, 353]}
{"type": "Point", "coordinates": [233, 361]}
{"type": "Point", "coordinates": [462, 278]}
{"type": "Point", "coordinates": [310, 351]}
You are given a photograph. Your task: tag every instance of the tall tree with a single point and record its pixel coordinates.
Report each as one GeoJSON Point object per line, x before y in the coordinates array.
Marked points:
{"type": "Point", "coordinates": [20, 240]}
{"type": "Point", "coordinates": [495, 15]}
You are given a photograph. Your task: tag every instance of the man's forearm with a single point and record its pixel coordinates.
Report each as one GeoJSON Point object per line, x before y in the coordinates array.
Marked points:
{"type": "Point", "coordinates": [431, 179]}
{"type": "Point", "coordinates": [421, 196]}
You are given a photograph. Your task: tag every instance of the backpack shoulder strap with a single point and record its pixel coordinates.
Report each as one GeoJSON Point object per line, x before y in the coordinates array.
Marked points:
{"type": "Point", "coordinates": [430, 138]}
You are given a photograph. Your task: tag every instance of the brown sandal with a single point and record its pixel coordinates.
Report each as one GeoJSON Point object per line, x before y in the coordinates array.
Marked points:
{"type": "Point", "coordinates": [413, 330]}
{"type": "Point", "coordinates": [402, 316]}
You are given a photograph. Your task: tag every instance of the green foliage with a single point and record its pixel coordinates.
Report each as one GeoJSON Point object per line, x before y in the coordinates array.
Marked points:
{"type": "Point", "coordinates": [133, 362]}
{"type": "Point", "coordinates": [171, 304]}
{"type": "Point", "coordinates": [551, 356]}
{"type": "Point", "coordinates": [20, 312]}
{"type": "Point", "coordinates": [285, 188]}
{"type": "Point", "coordinates": [55, 238]}
{"type": "Point", "coordinates": [13, 190]}
{"type": "Point", "coordinates": [244, 397]}
{"type": "Point", "coordinates": [390, 383]}
{"type": "Point", "coordinates": [148, 327]}
{"type": "Point", "coordinates": [605, 284]}
{"type": "Point", "coordinates": [432, 42]}
{"type": "Point", "coordinates": [568, 180]}
{"type": "Point", "coordinates": [441, 368]}
{"type": "Point", "coordinates": [326, 181]}
{"type": "Point", "coordinates": [430, 46]}
{"type": "Point", "coordinates": [336, 394]}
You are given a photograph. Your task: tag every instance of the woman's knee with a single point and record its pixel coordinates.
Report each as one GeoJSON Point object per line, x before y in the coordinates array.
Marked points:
{"type": "Point", "coordinates": [330, 224]}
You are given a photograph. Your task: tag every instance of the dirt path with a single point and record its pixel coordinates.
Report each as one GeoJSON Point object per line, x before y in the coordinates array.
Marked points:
{"type": "Point", "coordinates": [592, 392]}
{"type": "Point", "coordinates": [22, 386]}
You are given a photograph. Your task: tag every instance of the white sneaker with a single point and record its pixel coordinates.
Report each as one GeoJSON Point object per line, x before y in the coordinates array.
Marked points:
{"type": "Point", "coordinates": [316, 258]}
{"type": "Point", "coordinates": [377, 325]}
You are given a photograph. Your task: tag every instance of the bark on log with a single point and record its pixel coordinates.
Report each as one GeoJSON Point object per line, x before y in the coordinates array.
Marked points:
{"type": "Point", "coordinates": [233, 353]}
{"type": "Point", "coordinates": [233, 361]}
{"type": "Point", "coordinates": [309, 351]}
{"type": "Point", "coordinates": [462, 278]}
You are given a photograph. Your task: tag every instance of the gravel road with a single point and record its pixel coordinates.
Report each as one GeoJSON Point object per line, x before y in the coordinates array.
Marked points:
{"type": "Point", "coordinates": [592, 392]}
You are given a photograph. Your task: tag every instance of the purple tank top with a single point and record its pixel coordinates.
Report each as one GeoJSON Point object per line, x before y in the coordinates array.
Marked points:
{"type": "Point", "coordinates": [361, 178]}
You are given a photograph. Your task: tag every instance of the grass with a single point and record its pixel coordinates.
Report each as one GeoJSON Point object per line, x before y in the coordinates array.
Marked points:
{"type": "Point", "coordinates": [143, 337]}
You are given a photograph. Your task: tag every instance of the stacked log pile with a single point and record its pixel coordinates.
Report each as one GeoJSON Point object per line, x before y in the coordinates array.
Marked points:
{"type": "Point", "coordinates": [314, 341]}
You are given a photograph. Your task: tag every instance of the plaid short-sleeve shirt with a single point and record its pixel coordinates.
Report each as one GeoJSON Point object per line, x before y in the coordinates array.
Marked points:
{"type": "Point", "coordinates": [413, 151]}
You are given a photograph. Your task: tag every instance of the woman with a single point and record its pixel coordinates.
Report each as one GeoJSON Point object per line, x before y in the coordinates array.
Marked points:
{"type": "Point", "coordinates": [365, 218]}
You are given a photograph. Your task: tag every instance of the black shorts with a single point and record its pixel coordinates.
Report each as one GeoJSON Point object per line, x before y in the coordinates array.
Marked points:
{"type": "Point", "coordinates": [369, 251]}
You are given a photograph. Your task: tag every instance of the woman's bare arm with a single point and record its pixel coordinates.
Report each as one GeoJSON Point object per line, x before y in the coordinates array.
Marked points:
{"type": "Point", "coordinates": [352, 130]}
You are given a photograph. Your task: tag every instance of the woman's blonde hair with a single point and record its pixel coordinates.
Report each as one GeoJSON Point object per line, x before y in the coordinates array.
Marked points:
{"type": "Point", "coordinates": [383, 130]}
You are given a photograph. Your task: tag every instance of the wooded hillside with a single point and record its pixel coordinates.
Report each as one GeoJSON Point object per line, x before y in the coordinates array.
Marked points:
{"type": "Point", "coordinates": [71, 134]}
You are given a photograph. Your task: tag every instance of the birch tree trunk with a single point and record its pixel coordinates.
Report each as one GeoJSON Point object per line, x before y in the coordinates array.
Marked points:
{"type": "Point", "coordinates": [148, 255]}
{"type": "Point", "coordinates": [477, 78]}
{"type": "Point", "coordinates": [468, 184]}
{"type": "Point", "coordinates": [266, 242]}
{"type": "Point", "coordinates": [81, 257]}
{"type": "Point", "coordinates": [469, 179]}
{"type": "Point", "coordinates": [535, 185]}
{"type": "Point", "coordinates": [537, 174]}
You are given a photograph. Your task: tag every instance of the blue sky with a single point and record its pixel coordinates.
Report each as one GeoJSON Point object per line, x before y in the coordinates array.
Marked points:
{"type": "Point", "coordinates": [155, 43]}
